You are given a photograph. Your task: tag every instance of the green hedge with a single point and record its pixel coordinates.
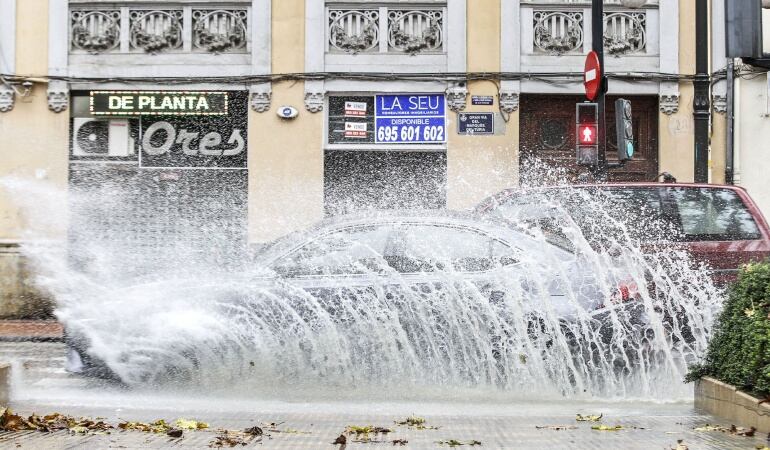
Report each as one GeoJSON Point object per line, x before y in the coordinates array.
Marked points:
{"type": "Point", "coordinates": [739, 352]}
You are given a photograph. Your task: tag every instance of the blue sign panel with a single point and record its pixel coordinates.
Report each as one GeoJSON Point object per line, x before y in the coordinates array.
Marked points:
{"type": "Point", "coordinates": [416, 119]}
{"type": "Point", "coordinates": [410, 129]}
{"type": "Point", "coordinates": [485, 100]}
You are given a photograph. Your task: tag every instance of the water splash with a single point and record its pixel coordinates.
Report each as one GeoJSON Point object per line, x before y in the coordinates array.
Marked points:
{"type": "Point", "coordinates": [173, 316]}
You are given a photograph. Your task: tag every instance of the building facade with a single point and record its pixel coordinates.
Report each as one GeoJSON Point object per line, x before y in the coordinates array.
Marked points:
{"type": "Point", "coordinates": [319, 107]}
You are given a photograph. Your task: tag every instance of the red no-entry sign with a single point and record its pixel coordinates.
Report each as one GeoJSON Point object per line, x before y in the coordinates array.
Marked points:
{"type": "Point", "coordinates": [592, 76]}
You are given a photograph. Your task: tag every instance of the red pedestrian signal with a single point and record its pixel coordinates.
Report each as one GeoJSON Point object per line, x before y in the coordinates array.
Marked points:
{"type": "Point", "coordinates": [587, 134]}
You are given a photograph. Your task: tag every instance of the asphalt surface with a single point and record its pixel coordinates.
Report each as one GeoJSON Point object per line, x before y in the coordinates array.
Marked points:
{"type": "Point", "coordinates": [41, 386]}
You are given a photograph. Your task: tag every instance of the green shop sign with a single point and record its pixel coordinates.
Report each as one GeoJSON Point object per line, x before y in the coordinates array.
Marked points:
{"type": "Point", "coordinates": [158, 103]}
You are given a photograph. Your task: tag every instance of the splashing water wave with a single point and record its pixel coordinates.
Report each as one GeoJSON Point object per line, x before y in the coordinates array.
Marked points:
{"type": "Point", "coordinates": [174, 316]}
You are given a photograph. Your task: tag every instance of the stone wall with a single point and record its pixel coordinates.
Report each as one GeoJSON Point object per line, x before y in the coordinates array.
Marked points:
{"type": "Point", "coordinates": [730, 404]}
{"type": "Point", "coordinates": [19, 299]}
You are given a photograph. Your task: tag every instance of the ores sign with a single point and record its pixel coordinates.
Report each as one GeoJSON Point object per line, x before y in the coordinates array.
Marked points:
{"type": "Point", "coordinates": [182, 129]}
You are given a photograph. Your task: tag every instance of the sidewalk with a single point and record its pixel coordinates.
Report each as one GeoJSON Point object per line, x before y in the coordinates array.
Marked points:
{"type": "Point", "coordinates": [31, 330]}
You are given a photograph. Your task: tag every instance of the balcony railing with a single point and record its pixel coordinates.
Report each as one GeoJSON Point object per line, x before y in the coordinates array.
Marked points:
{"type": "Point", "coordinates": [186, 29]}
{"type": "Point", "coordinates": [559, 32]}
{"type": "Point", "coordinates": [386, 30]}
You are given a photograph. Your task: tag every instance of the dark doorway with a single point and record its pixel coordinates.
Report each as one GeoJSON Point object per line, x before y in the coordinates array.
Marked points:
{"type": "Point", "coordinates": [547, 127]}
{"type": "Point", "coordinates": [368, 180]}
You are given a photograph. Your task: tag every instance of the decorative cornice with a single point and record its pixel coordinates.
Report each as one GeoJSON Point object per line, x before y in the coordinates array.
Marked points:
{"type": "Point", "coordinates": [58, 96]}
{"type": "Point", "coordinates": [509, 101]}
{"type": "Point", "coordinates": [720, 103]}
{"type": "Point", "coordinates": [260, 101]}
{"type": "Point", "coordinates": [7, 97]}
{"type": "Point", "coordinates": [457, 98]}
{"type": "Point", "coordinates": [314, 101]}
{"type": "Point", "coordinates": [669, 103]}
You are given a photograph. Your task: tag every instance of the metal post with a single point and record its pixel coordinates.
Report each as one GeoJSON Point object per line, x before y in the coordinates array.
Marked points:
{"type": "Point", "coordinates": [701, 101]}
{"type": "Point", "coordinates": [729, 153]}
{"type": "Point", "coordinates": [597, 45]}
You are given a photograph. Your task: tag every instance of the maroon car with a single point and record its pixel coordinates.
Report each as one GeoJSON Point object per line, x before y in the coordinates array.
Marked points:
{"type": "Point", "coordinates": [719, 225]}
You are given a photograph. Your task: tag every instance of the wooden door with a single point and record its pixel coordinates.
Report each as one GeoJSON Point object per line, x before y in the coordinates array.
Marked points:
{"type": "Point", "coordinates": [547, 130]}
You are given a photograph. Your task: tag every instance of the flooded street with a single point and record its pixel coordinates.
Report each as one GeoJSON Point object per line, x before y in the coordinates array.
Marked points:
{"type": "Point", "coordinates": [42, 386]}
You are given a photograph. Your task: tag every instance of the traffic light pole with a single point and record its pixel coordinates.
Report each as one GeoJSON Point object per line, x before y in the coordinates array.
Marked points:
{"type": "Point", "coordinates": [597, 45]}
{"type": "Point", "coordinates": [701, 107]}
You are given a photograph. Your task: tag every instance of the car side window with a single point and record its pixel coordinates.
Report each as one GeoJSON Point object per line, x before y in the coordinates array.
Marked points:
{"type": "Point", "coordinates": [416, 248]}
{"type": "Point", "coordinates": [713, 214]}
{"type": "Point", "coordinates": [355, 250]}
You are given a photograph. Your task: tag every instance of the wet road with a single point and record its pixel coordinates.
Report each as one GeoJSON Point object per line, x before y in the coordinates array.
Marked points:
{"type": "Point", "coordinates": [42, 386]}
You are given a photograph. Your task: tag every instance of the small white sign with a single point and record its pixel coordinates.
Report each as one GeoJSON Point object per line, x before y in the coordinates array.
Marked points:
{"type": "Point", "coordinates": [356, 109]}
{"type": "Point", "coordinates": [590, 75]}
{"type": "Point", "coordinates": [355, 130]}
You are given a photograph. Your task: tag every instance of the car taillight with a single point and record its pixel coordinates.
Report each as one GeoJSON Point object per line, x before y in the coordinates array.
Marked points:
{"type": "Point", "coordinates": [625, 295]}
{"type": "Point", "coordinates": [627, 291]}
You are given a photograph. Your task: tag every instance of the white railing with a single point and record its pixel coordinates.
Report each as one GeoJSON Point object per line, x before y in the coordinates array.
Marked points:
{"type": "Point", "coordinates": [407, 31]}
{"type": "Point", "coordinates": [562, 32]}
{"type": "Point", "coordinates": [186, 29]}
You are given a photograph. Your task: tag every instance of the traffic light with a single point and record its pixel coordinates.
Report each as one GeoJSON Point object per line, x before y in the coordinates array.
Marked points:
{"type": "Point", "coordinates": [586, 134]}
{"type": "Point", "coordinates": [625, 129]}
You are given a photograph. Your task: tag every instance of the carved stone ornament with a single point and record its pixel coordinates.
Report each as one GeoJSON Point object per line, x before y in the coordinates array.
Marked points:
{"type": "Point", "coordinates": [557, 32]}
{"type": "Point", "coordinates": [720, 103]}
{"type": "Point", "coordinates": [260, 101]}
{"type": "Point", "coordinates": [509, 101]}
{"type": "Point", "coordinates": [314, 101]}
{"type": "Point", "coordinates": [153, 31]}
{"type": "Point", "coordinates": [220, 30]}
{"type": "Point", "coordinates": [58, 98]}
{"type": "Point", "coordinates": [95, 31]}
{"type": "Point", "coordinates": [415, 31]}
{"type": "Point", "coordinates": [354, 31]}
{"type": "Point", "coordinates": [457, 98]}
{"type": "Point", "coordinates": [6, 98]}
{"type": "Point", "coordinates": [669, 103]}
{"type": "Point", "coordinates": [625, 33]}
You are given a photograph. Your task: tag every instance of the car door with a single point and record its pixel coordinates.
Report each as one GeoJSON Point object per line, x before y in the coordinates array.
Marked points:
{"type": "Point", "coordinates": [445, 289]}
{"type": "Point", "coordinates": [718, 227]}
{"type": "Point", "coordinates": [338, 273]}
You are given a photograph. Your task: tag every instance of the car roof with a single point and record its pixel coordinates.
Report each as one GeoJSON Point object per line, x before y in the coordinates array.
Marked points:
{"type": "Point", "coordinates": [490, 224]}
{"type": "Point", "coordinates": [622, 185]}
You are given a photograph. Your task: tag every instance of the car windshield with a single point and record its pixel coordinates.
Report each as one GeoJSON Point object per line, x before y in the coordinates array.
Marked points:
{"type": "Point", "coordinates": [403, 247]}
{"type": "Point", "coordinates": [645, 214]}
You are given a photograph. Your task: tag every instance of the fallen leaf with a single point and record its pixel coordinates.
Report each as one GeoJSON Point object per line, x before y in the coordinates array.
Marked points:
{"type": "Point", "coordinates": [418, 423]}
{"type": "Point", "coordinates": [289, 431]}
{"type": "Point", "coordinates": [456, 443]}
{"type": "Point", "coordinates": [680, 445]}
{"type": "Point", "coordinates": [737, 431]}
{"type": "Point", "coordinates": [412, 421]}
{"type": "Point", "coordinates": [353, 429]}
{"type": "Point", "coordinates": [341, 439]}
{"type": "Point", "coordinates": [78, 430]}
{"type": "Point", "coordinates": [588, 418]}
{"type": "Point", "coordinates": [399, 442]}
{"type": "Point", "coordinates": [606, 428]}
{"type": "Point", "coordinates": [159, 426]}
{"type": "Point", "coordinates": [556, 427]}
{"type": "Point", "coordinates": [254, 431]}
{"type": "Point", "coordinates": [224, 440]}
{"type": "Point", "coordinates": [190, 424]}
